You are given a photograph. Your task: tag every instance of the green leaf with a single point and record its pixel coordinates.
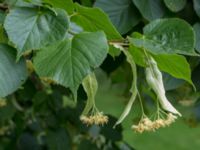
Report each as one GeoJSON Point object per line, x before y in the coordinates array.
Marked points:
{"type": "Point", "coordinates": [2, 16]}
{"type": "Point", "coordinates": [196, 4]}
{"type": "Point", "coordinates": [93, 19]}
{"type": "Point", "coordinates": [155, 81]}
{"type": "Point", "coordinates": [34, 28]}
{"type": "Point", "coordinates": [123, 14]}
{"type": "Point", "coordinates": [174, 64]}
{"type": "Point", "coordinates": [58, 140]}
{"type": "Point", "coordinates": [64, 4]}
{"type": "Point", "coordinates": [150, 9]}
{"type": "Point", "coordinates": [3, 36]}
{"type": "Point", "coordinates": [175, 5]}
{"type": "Point", "coordinates": [12, 74]}
{"type": "Point", "coordinates": [90, 86]}
{"type": "Point", "coordinates": [70, 60]}
{"type": "Point", "coordinates": [197, 31]}
{"type": "Point", "coordinates": [166, 36]}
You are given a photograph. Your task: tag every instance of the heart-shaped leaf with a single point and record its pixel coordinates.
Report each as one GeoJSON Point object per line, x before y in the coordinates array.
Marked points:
{"type": "Point", "coordinates": [34, 28]}
{"type": "Point", "coordinates": [70, 60]}
{"type": "Point", "coordinates": [167, 36]}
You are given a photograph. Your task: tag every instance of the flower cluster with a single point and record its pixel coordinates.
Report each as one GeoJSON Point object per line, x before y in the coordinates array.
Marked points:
{"type": "Point", "coordinates": [146, 124]}
{"type": "Point", "coordinates": [97, 119]}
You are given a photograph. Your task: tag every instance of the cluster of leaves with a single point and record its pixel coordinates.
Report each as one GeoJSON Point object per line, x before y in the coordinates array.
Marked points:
{"type": "Point", "coordinates": [47, 48]}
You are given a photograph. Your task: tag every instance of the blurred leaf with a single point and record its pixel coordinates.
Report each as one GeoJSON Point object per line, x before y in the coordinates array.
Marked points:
{"type": "Point", "coordinates": [17, 3]}
{"type": "Point", "coordinates": [3, 37]}
{"type": "Point", "coordinates": [196, 4]}
{"type": "Point", "coordinates": [7, 112]}
{"type": "Point", "coordinates": [12, 74]}
{"type": "Point", "coordinates": [150, 9]}
{"type": "Point", "coordinates": [28, 142]}
{"type": "Point", "coordinates": [110, 133]}
{"type": "Point", "coordinates": [123, 14]}
{"type": "Point", "coordinates": [175, 5]}
{"type": "Point", "coordinates": [171, 83]}
{"type": "Point", "coordinates": [197, 31]}
{"type": "Point", "coordinates": [58, 140]}
{"type": "Point", "coordinates": [87, 2]}
{"type": "Point", "coordinates": [177, 136]}
{"type": "Point", "coordinates": [87, 145]}
{"type": "Point", "coordinates": [195, 77]}
{"type": "Point", "coordinates": [2, 16]}
{"type": "Point", "coordinates": [109, 95]}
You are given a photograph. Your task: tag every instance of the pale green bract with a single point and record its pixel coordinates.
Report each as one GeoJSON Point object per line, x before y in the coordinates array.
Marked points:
{"type": "Point", "coordinates": [133, 90]}
{"type": "Point", "coordinates": [155, 81]}
{"type": "Point", "coordinates": [173, 64]}
{"type": "Point", "coordinates": [90, 86]}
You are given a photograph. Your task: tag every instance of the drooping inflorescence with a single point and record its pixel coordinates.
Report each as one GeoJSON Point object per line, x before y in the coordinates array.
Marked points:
{"type": "Point", "coordinates": [91, 115]}
{"type": "Point", "coordinates": [145, 124]}
{"type": "Point", "coordinates": [97, 119]}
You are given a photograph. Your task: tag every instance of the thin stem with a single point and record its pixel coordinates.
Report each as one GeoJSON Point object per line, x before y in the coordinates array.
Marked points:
{"type": "Point", "coordinates": [158, 108]}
